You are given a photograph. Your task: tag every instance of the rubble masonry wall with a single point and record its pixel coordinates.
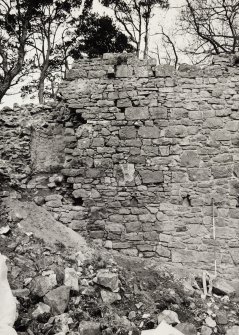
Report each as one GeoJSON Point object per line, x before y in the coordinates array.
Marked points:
{"type": "Point", "coordinates": [147, 155]}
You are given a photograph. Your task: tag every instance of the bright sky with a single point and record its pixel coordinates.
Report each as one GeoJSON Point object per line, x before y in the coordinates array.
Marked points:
{"type": "Point", "coordinates": [167, 18]}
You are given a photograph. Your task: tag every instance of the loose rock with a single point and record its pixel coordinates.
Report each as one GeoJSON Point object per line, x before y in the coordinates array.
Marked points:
{"type": "Point", "coordinates": [168, 316]}
{"type": "Point", "coordinates": [89, 328]}
{"type": "Point", "coordinates": [58, 299]}
{"type": "Point", "coordinates": [41, 309]}
{"type": "Point", "coordinates": [41, 285]}
{"type": "Point", "coordinates": [187, 328]}
{"type": "Point", "coordinates": [71, 279]}
{"type": "Point", "coordinates": [108, 279]}
{"type": "Point", "coordinates": [109, 297]}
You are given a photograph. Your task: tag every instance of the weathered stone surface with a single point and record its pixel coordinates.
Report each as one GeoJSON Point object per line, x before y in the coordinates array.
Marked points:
{"type": "Point", "coordinates": [41, 285]}
{"type": "Point", "coordinates": [149, 147]}
{"type": "Point", "coordinates": [137, 113]}
{"type": "Point", "coordinates": [151, 177]}
{"type": "Point", "coordinates": [108, 279]}
{"type": "Point", "coordinates": [71, 279]}
{"type": "Point", "coordinates": [163, 251]}
{"type": "Point", "coordinates": [233, 330]}
{"type": "Point", "coordinates": [109, 297]}
{"type": "Point", "coordinates": [89, 328]}
{"type": "Point", "coordinates": [127, 132]}
{"type": "Point", "coordinates": [223, 287]}
{"type": "Point", "coordinates": [21, 292]}
{"type": "Point", "coordinates": [168, 316]}
{"type": "Point", "coordinates": [190, 159]}
{"type": "Point", "coordinates": [206, 330]}
{"type": "Point", "coordinates": [124, 71]}
{"type": "Point", "coordinates": [187, 328]}
{"type": "Point", "coordinates": [41, 309]}
{"type": "Point", "coordinates": [149, 132]}
{"type": "Point", "coordinates": [58, 299]}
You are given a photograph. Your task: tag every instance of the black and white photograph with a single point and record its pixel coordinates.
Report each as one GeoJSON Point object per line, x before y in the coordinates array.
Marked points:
{"type": "Point", "coordinates": [119, 167]}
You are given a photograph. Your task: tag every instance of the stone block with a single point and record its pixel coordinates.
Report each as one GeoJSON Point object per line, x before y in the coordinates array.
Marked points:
{"type": "Point", "coordinates": [137, 113]}
{"type": "Point", "coordinates": [221, 135]}
{"type": "Point", "coordinates": [158, 113]}
{"type": "Point", "coordinates": [190, 158]}
{"type": "Point", "coordinates": [123, 103]}
{"type": "Point", "coordinates": [235, 255]}
{"type": "Point", "coordinates": [89, 328]}
{"type": "Point", "coordinates": [147, 217]}
{"type": "Point", "coordinates": [195, 115]}
{"type": "Point", "coordinates": [151, 177]}
{"type": "Point", "coordinates": [73, 172]}
{"type": "Point", "coordinates": [58, 299]}
{"type": "Point", "coordinates": [221, 171]}
{"type": "Point", "coordinates": [133, 226]}
{"type": "Point", "coordinates": [96, 74]}
{"type": "Point", "coordinates": [176, 131]}
{"type": "Point", "coordinates": [145, 247]}
{"type": "Point", "coordinates": [124, 71]}
{"type": "Point", "coordinates": [213, 123]}
{"type": "Point", "coordinates": [149, 132]}
{"type": "Point", "coordinates": [121, 245]}
{"type": "Point", "coordinates": [164, 71]}
{"type": "Point", "coordinates": [151, 236]}
{"type": "Point", "coordinates": [199, 174]}
{"type": "Point", "coordinates": [163, 251]}
{"type": "Point", "coordinates": [142, 71]}
{"type": "Point", "coordinates": [127, 132]}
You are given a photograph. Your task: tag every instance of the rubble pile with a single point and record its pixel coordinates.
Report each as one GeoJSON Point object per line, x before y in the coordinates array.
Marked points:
{"type": "Point", "coordinates": [60, 292]}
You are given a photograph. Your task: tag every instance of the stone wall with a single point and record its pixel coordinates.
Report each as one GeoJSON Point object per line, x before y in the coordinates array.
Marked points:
{"type": "Point", "coordinates": [142, 157]}
{"type": "Point", "coordinates": [155, 154]}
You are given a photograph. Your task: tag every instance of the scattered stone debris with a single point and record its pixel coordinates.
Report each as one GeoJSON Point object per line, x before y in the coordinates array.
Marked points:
{"type": "Point", "coordinates": [60, 291]}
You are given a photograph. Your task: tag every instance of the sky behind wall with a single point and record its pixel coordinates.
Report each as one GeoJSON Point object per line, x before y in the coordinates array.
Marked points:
{"type": "Point", "coordinates": [166, 18]}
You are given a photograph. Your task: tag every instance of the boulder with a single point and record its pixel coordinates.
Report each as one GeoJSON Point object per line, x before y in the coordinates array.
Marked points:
{"type": "Point", "coordinates": [221, 286]}
{"type": "Point", "coordinates": [40, 310]}
{"type": "Point", "coordinates": [187, 328]}
{"type": "Point", "coordinates": [40, 285]}
{"type": "Point", "coordinates": [206, 330]}
{"type": "Point", "coordinates": [233, 331]}
{"type": "Point", "coordinates": [71, 279]}
{"type": "Point", "coordinates": [89, 328]}
{"type": "Point", "coordinates": [168, 316]}
{"type": "Point", "coordinates": [109, 297]}
{"type": "Point", "coordinates": [62, 323]}
{"type": "Point", "coordinates": [210, 322]}
{"type": "Point", "coordinates": [162, 329]}
{"type": "Point", "coordinates": [108, 279]}
{"type": "Point", "coordinates": [58, 299]}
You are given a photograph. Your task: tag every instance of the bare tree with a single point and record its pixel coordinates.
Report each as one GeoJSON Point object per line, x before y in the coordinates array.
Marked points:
{"type": "Point", "coordinates": [134, 16]}
{"type": "Point", "coordinates": [15, 30]}
{"type": "Point", "coordinates": [212, 25]}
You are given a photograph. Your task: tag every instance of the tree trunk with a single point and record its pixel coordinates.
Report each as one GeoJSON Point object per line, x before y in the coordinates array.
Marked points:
{"type": "Point", "coordinates": [41, 89]}
{"type": "Point", "coordinates": [146, 37]}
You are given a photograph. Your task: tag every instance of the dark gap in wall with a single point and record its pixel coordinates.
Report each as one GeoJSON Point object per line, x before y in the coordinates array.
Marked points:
{"type": "Point", "coordinates": [115, 102]}
{"type": "Point", "coordinates": [76, 118]}
{"type": "Point", "coordinates": [236, 60]}
{"type": "Point", "coordinates": [237, 205]}
{"type": "Point", "coordinates": [135, 103]}
{"type": "Point", "coordinates": [122, 109]}
{"type": "Point", "coordinates": [121, 60]}
{"type": "Point", "coordinates": [134, 202]}
{"type": "Point", "coordinates": [78, 201]}
{"type": "Point", "coordinates": [80, 119]}
{"type": "Point", "coordinates": [187, 201]}
{"type": "Point", "coordinates": [111, 75]}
